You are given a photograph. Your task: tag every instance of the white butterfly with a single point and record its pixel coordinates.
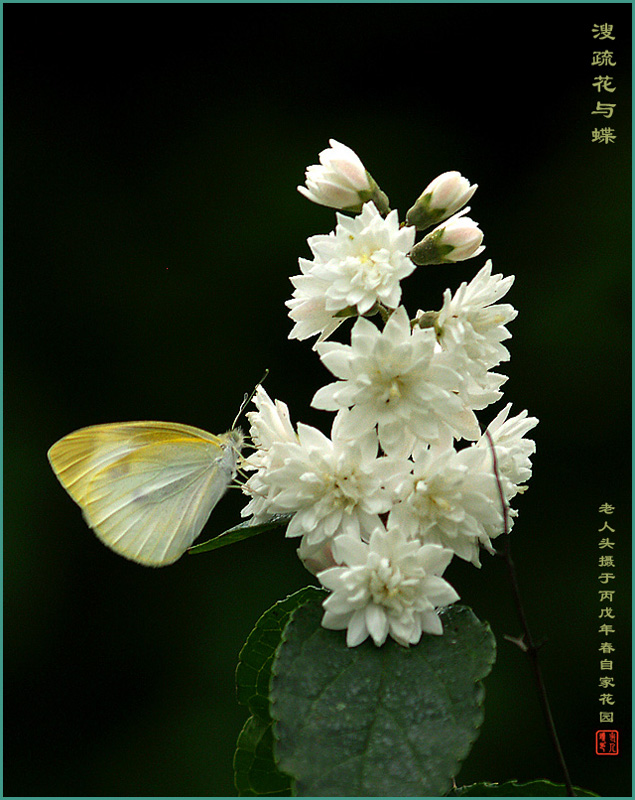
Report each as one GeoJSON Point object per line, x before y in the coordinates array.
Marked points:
{"type": "Point", "coordinates": [146, 488]}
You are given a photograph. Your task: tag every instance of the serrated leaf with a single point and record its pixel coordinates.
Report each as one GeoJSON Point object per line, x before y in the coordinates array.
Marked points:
{"type": "Point", "coordinates": [239, 532]}
{"type": "Point", "coordinates": [513, 789]}
{"type": "Point", "coordinates": [253, 672]}
{"type": "Point", "coordinates": [255, 772]}
{"type": "Point", "coordinates": [377, 722]}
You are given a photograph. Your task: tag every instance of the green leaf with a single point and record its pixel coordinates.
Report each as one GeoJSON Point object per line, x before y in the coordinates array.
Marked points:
{"type": "Point", "coordinates": [513, 789]}
{"type": "Point", "coordinates": [377, 722]}
{"type": "Point", "coordinates": [240, 532]}
{"type": "Point", "coordinates": [255, 772]}
{"type": "Point", "coordinates": [253, 672]}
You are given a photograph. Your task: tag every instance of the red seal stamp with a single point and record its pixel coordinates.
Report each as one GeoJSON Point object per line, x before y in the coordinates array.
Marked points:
{"type": "Point", "coordinates": [606, 743]}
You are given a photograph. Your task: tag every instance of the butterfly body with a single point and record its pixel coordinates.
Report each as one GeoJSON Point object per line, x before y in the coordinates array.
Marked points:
{"type": "Point", "coordinates": [146, 488]}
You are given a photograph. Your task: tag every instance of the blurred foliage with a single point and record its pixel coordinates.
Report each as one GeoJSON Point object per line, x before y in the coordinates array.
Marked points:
{"type": "Point", "coordinates": [151, 225]}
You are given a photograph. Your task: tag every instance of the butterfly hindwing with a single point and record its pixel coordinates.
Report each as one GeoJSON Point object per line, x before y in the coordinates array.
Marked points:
{"type": "Point", "coordinates": [146, 488]}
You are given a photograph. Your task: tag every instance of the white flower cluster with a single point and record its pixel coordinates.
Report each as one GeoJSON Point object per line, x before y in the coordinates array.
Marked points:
{"type": "Point", "coordinates": [405, 480]}
{"type": "Point", "coordinates": [354, 268]}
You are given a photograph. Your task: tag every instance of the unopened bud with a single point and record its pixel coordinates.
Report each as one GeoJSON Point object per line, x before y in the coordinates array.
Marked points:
{"type": "Point", "coordinates": [440, 199]}
{"type": "Point", "coordinates": [316, 557]}
{"type": "Point", "coordinates": [341, 181]}
{"type": "Point", "coordinates": [425, 319]}
{"type": "Point", "coordinates": [456, 239]}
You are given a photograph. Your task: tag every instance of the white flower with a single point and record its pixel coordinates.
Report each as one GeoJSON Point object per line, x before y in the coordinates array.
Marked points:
{"type": "Point", "coordinates": [450, 498]}
{"type": "Point", "coordinates": [331, 486]}
{"type": "Point", "coordinates": [392, 379]}
{"type": "Point", "coordinates": [270, 425]}
{"type": "Point", "coordinates": [471, 327]}
{"type": "Point", "coordinates": [364, 260]}
{"type": "Point", "coordinates": [478, 393]}
{"type": "Point", "coordinates": [338, 179]}
{"type": "Point", "coordinates": [513, 451]}
{"type": "Point", "coordinates": [390, 587]}
{"type": "Point", "coordinates": [472, 319]}
{"type": "Point", "coordinates": [308, 306]}
{"type": "Point", "coordinates": [445, 195]}
{"type": "Point", "coordinates": [456, 239]}
{"type": "Point", "coordinates": [359, 264]}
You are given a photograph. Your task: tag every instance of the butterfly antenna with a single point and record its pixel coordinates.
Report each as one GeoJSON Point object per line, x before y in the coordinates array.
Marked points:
{"type": "Point", "coordinates": [247, 399]}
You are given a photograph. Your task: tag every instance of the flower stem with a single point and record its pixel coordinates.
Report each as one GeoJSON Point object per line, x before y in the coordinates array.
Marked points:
{"type": "Point", "coordinates": [384, 312]}
{"type": "Point", "coordinates": [526, 643]}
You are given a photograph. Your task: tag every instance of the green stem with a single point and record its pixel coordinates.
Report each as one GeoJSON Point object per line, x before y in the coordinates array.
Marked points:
{"type": "Point", "coordinates": [527, 643]}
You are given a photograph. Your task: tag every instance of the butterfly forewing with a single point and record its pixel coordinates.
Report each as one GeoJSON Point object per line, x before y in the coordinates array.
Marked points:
{"type": "Point", "coordinates": [146, 488]}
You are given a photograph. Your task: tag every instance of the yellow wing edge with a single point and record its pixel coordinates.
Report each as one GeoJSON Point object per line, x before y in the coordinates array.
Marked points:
{"type": "Point", "coordinates": [72, 457]}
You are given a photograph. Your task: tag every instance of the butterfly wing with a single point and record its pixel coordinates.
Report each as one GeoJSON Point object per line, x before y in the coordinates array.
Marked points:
{"type": "Point", "coordinates": [146, 488]}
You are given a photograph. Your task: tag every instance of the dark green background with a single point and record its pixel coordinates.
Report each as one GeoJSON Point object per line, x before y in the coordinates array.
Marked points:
{"type": "Point", "coordinates": [152, 221]}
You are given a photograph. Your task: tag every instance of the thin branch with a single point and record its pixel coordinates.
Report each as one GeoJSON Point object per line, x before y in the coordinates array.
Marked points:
{"type": "Point", "coordinates": [526, 642]}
